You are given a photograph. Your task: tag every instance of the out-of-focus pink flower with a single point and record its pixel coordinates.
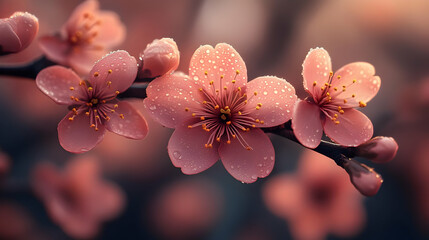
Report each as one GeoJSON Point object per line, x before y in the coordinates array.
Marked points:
{"type": "Point", "coordinates": [317, 200]}
{"type": "Point", "coordinates": [333, 98]}
{"type": "Point", "coordinates": [186, 209]}
{"type": "Point", "coordinates": [87, 36]}
{"type": "Point", "coordinates": [160, 57]}
{"type": "Point", "coordinates": [17, 32]}
{"type": "Point", "coordinates": [15, 222]}
{"type": "Point", "coordinates": [77, 198]}
{"type": "Point", "coordinates": [379, 149]}
{"type": "Point", "coordinates": [216, 113]}
{"type": "Point", "coordinates": [4, 164]}
{"type": "Point", "coordinates": [93, 102]}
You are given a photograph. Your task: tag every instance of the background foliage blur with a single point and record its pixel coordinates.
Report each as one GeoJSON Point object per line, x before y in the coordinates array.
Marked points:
{"type": "Point", "coordinates": [273, 37]}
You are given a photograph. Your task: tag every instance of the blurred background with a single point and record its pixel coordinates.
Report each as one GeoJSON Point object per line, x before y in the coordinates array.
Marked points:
{"type": "Point", "coordinates": [273, 37]}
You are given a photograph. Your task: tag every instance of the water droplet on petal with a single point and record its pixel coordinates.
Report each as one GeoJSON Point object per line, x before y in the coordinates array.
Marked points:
{"type": "Point", "coordinates": [177, 155]}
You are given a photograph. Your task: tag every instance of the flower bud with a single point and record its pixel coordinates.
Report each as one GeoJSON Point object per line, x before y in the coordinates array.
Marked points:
{"type": "Point", "coordinates": [365, 179]}
{"type": "Point", "coordinates": [17, 32]}
{"type": "Point", "coordinates": [378, 149]}
{"type": "Point", "coordinates": [160, 57]}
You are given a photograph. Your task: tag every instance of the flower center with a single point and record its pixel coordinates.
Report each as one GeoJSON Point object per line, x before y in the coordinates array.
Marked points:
{"type": "Point", "coordinates": [95, 101]}
{"type": "Point", "coordinates": [224, 113]}
{"type": "Point", "coordinates": [85, 31]}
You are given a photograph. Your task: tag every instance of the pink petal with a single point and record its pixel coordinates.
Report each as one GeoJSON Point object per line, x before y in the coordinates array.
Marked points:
{"type": "Point", "coordinates": [112, 31]}
{"type": "Point", "coordinates": [222, 60]}
{"type": "Point", "coordinates": [248, 165]}
{"type": "Point", "coordinates": [160, 57]}
{"type": "Point", "coordinates": [354, 128]}
{"type": "Point", "coordinates": [169, 96]}
{"type": "Point", "coordinates": [55, 49]}
{"type": "Point", "coordinates": [88, 6]}
{"type": "Point", "coordinates": [26, 26]}
{"type": "Point", "coordinates": [277, 97]}
{"type": "Point", "coordinates": [365, 87]}
{"type": "Point", "coordinates": [76, 136]}
{"type": "Point", "coordinates": [316, 68]}
{"type": "Point", "coordinates": [186, 150]}
{"type": "Point", "coordinates": [110, 201]}
{"type": "Point", "coordinates": [60, 84]}
{"type": "Point", "coordinates": [9, 41]}
{"type": "Point", "coordinates": [132, 126]}
{"type": "Point", "coordinates": [82, 60]}
{"type": "Point", "coordinates": [46, 180]}
{"type": "Point", "coordinates": [307, 124]}
{"type": "Point", "coordinates": [123, 68]}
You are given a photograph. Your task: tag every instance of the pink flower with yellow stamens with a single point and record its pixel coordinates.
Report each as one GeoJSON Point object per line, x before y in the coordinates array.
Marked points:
{"type": "Point", "coordinates": [93, 102]}
{"type": "Point", "coordinates": [87, 36]}
{"type": "Point", "coordinates": [217, 113]}
{"type": "Point", "coordinates": [333, 99]}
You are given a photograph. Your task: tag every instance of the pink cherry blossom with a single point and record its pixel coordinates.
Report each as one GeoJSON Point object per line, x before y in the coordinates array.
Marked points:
{"type": "Point", "coordinates": [160, 57]}
{"type": "Point", "coordinates": [17, 32]}
{"type": "Point", "coordinates": [379, 149]}
{"type": "Point", "coordinates": [317, 200]}
{"type": "Point", "coordinates": [77, 199]}
{"type": "Point", "coordinates": [333, 97]}
{"type": "Point", "coordinates": [88, 35]}
{"type": "Point", "coordinates": [217, 113]}
{"type": "Point", "coordinates": [93, 103]}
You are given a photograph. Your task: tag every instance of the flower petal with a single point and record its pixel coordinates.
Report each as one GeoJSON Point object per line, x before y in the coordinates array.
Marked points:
{"type": "Point", "coordinates": [112, 31]}
{"type": "Point", "coordinates": [55, 49]}
{"type": "Point", "coordinates": [25, 26]}
{"type": "Point", "coordinates": [89, 6]}
{"type": "Point", "coordinates": [114, 72]}
{"type": "Point", "coordinates": [60, 84]}
{"type": "Point", "coordinates": [186, 150]}
{"type": "Point", "coordinates": [277, 98]}
{"type": "Point", "coordinates": [307, 124]}
{"type": "Point", "coordinates": [133, 125]}
{"type": "Point", "coordinates": [76, 136]}
{"type": "Point", "coordinates": [169, 96]}
{"type": "Point", "coordinates": [364, 88]}
{"type": "Point", "coordinates": [222, 60]}
{"type": "Point", "coordinates": [316, 68]}
{"type": "Point", "coordinates": [354, 128]}
{"type": "Point", "coordinates": [248, 165]}
{"type": "Point", "coordinates": [9, 41]}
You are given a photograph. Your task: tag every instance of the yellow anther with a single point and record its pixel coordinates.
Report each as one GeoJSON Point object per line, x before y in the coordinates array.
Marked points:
{"type": "Point", "coordinates": [247, 129]}
{"type": "Point", "coordinates": [90, 89]}
{"type": "Point", "coordinates": [97, 117]}
{"type": "Point", "coordinates": [233, 136]}
{"type": "Point", "coordinates": [92, 125]}
{"type": "Point", "coordinates": [228, 142]}
{"type": "Point", "coordinates": [345, 101]}
{"type": "Point", "coordinates": [117, 92]}
{"type": "Point", "coordinates": [96, 74]}
{"type": "Point", "coordinates": [237, 71]}
{"type": "Point", "coordinates": [221, 76]}
{"type": "Point", "coordinates": [201, 89]}
{"type": "Point", "coordinates": [103, 101]}
{"type": "Point", "coordinates": [204, 126]}
{"type": "Point", "coordinates": [116, 106]}
{"type": "Point", "coordinates": [206, 145]}
{"type": "Point", "coordinates": [257, 120]}
{"type": "Point", "coordinates": [226, 107]}
{"type": "Point", "coordinates": [338, 76]}
{"type": "Point", "coordinates": [344, 86]}
{"type": "Point", "coordinates": [71, 88]}
{"type": "Point", "coordinates": [239, 88]}
{"type": "Point", "coordinates": [71, 97]}
{"type": "Point", "coordinates": [110, 71]}
{"type": "Point", "coordinates": [109, 83]}
{"type": "Point", "coordinates": [335, 115]}
{"type": "Point", "coordinates": [259, 104]}
{"type": "Point", "coordinates": [248, 148]}
{"type": "Point", "coordinates": [339, 108]}
{"type": "Point", "coordinates": [189, 126]}
{"type": "Point", "coordinates": [121, 116]}
{"type": "Point", "coordinates": [87, 113]}
{"type": "Point", "coordinates": [95, 111]}
{"type": "Point", "coordinates": [187, 109]}
{"type": "Point", "coordinates": [244, 129]}
{"type": "Point", "coordinates": [362, 104]}
{"type": "Point", "coordinates": [341, 111]}
{"type": "Point", "coordinates": [322, 88]}
{"type": "Point", "coordinates": [331, 73]}
{"type": "Point", "coordinates": [216, 107]}
{"type": "Point", "coordinates": [74, 110]}
{"type": "Point", "coordinates": [239, 113]}
{"type": "Point", "coordinates": [314, 83]}
{"type": "Point", "coordinates": [233, 81]}
{"type": "Point", "coordinates": [353, 95]}
{"type": "Point", "coordinates": [257, 107]}
{"type": "Point", "coordinates": [262, 122]}
{"type": "Point", "coordinates": [337, 122]}
{"type": "Point", "coordinates": [335, 89]}
{"type": "Point", "coordinates": [96, 129]}
{"type": "Point", "coordinates": [211, 82]}
{"type": "Point", "coordinates": [255, 93]}
{"type": "Point", "coordinates": [70, 119]}
{"type": "Point", "coordinates": [204, 102]}
{"type": "Point", "coordinates": [327, 94]}
{"type": "Point", "coordinates": [193, 114]}
{"type": "Point", "coordinates": [253, 125]}
{"type": "Point", "coordinates": [354, 80]}
{"type": "Point", "coordinates": [202, 118]}
{"type": "Point", "coordinates": [206, 73]}
{"type": "Point", "coordinates": [228, 123]}
{"type": "Point", "coordinates": [210, 145]}
{"type": "Point", "coordinates": [81, 83]}
{"type": "Point", "coordinates": [326, 84]}
{"type": "Point", "coordinates": [112, 111]}
{"type": "Point", "coordinates": [76, 99]}
{"type": "Point", "coordinates": [108, 118]}
{"type": "Point", "coordinates": [225, 88]}
{"type": "Point", "coordinates": [218, 139]}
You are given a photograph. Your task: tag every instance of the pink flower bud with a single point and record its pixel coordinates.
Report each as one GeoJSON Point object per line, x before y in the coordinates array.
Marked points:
{"type": "Point", "coordinates": [17, 32]}
{"type": "Point", "coordinates": [365, 179]}
{"type": "Point", "coordinates": [160, 57]}
{"type": "Point", "coordinates": [378, 149]}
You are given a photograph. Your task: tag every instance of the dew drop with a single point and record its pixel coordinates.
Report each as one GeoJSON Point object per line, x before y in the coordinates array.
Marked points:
{"type": "Point", "coordinates": [265, 93]}
{"type": "Point", "coordinates": [177, 155]}
{"type": "Point", "coordinates": [153, 107]}
{"type": "Point", "coordinates": [254, 177]}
